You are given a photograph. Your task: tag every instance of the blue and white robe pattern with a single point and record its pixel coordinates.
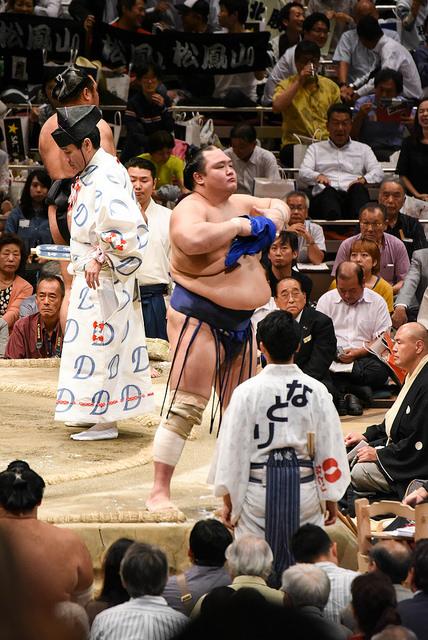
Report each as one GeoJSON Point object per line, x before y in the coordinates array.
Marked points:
{"type": "Point", "coordinates": [104, 374]}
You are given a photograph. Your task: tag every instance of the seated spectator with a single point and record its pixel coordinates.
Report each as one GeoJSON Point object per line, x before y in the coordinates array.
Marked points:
{"type": "Point", "coordinates": [372, 123]}
{"type": "Point", "coordinates": [280, 264]}
{"type": "Point", "coordinates": [412, 15]}
{"type": "Point", "coordinates": [147, 111]}
{"type": "Point", "coordinates": [303, 101]}
{"type": "Point", "coordinates": [421, 55]}
{"type": "Point", "coordinates": [312, 544]}
{"type": "Point", "coordinates": [366, 253]}
{"type": "Point", "coordinates": [112, 591]}
{"type": "Point", "coordinates": [290, 24]}
{"type": "Point", "coordinates": [131, 14]}
{"type": "Point", "coordinates": [391, 54]}
{"type": "Point", "coordinates": [391, 460]}
{"type": "Point", "coordinates": [249, 159]}
{"type": "Point", "coordinates": [310, 235]}
{"type": "Point", "coordinates": [54, 561]}
{"type": "Point", "coordinates": [355, 60]}
{"type": "Point", "coordinates": [414, 612]}
{"type": "Point", "coordinates": [29, 219]}
{"type": "Point", "coordinates": [315, 29]}
{"type": "Point", "coordinates": [317, 348]}
{"type": "Point", "coordinates": [412, 163]}
{"type": "Point", "coordinates": [144, 572]}
{"type": "Point", "coordinates": [307, 588]}
{"type": "Point", "coordinates": [236, 89]}
{"type": "Point", "coordinates": [374, 604]}
{"type": "Point", "coordinates": [39, 335]}
{"type": "Point", "coordinates": [359, 316]}
{"type": "Point", "coordinates": [249, 562]}
{"type": "Point", "coordinates": [169, 168]}
{"type": "Point", "coordinates": [20, 6]}
{"type": "Point", "coordinates": [393, 559]}
{"type": "Point", "coordinates": [338, 10]}
{"type": "Point", "coordinates": [194, 16]}
{"type": "Point", "coordinates": [13, 288]}
{"type": "Point", "coordinates": [394, 261]}
{"type": "Point", "coordinates": [208, 542]}
{"type": "Point", "coordinates": [87, 12]}
{"type": "Point", "coordinates": [408, 229]}
{"type": "Point", "coordinates": [339, 169]}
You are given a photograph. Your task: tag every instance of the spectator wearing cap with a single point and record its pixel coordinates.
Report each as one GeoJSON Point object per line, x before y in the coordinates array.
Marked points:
{"type": "Point", "coordinates": [249, 159]}
{"type": "Point", "coordinates": [236, 89]}
{"type": "Point", "coordinates": [194, 16]}
{"type": "Point", "coordinates": [315, 29]}
{"type": "Point", "coordinates": [303, 101]}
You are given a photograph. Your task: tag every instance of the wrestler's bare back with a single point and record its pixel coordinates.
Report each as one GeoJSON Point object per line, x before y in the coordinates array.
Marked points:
{"type": "Point", "coordinates": [54, 159]}
{"type": "Point", "coordinates": [199, 265]}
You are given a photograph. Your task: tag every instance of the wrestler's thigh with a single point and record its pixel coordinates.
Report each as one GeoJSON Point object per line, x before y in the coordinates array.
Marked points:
{"type": "Point", "coordinates": [242, 368]}
{"type": "Point", "coordinates": [199, 371]}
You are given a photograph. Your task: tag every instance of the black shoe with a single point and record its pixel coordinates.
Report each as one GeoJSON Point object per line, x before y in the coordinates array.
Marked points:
{"type": "Point", "coordinates": [363, 392]}
{"type": "Point", "coordinates": [353, 405]}
{"type": "Point", "coordinates": [341, 405]}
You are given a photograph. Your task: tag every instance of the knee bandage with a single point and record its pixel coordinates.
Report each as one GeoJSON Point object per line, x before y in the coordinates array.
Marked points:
{"type": "Point", "coordinates": [186, 410]}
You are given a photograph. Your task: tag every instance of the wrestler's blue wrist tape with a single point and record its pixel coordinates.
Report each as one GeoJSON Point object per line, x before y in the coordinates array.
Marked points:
{"type": "Point", "coordinates": [263, 233]}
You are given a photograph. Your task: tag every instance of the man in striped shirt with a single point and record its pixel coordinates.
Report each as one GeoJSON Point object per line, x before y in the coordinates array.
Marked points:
{"type": "Point", "coordinates": [144, 573]}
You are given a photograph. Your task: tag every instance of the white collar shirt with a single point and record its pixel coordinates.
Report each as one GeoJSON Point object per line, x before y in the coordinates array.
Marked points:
{"type": "Point", "coordinates": [360, 59]}
{"type": "Point", "coordinates": [359, 323]}
{"type": "Point", "coordinates": [155, 265]}
{"type": "Point", "coordinates": [261, 164]}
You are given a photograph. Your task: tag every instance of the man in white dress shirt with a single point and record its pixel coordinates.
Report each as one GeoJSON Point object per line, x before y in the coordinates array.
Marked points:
{"type": "Point", "coordinates": [155, 267]}
{"type": "Point", "coordinates": [339, 169]}
{"type": "Point", "coordinates": [144, 573]}
{"type": "Point", "coordinates": [249, 159]}
{"type": "Point", "coordinates": [359, 315]}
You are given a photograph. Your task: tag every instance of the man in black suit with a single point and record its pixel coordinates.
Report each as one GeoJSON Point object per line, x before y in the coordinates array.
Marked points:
{"type": "Point", "coordinates": [396, 449]}
{"type": "Point", "coordinates": [414, 612]}
{"type": "Point", "coordinates": [318, 342]}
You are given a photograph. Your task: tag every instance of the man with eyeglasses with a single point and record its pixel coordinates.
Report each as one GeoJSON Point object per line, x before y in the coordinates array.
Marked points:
{"type": "Point", "coordinates": [310, 235]}
{"type": "Point", "coordinates": [394, 261]}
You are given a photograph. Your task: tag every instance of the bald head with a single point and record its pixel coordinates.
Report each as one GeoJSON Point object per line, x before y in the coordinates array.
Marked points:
{"type": "Point", "coordinates": [410, 345]}
{"type": "Point", "coordinates": [416, 332]}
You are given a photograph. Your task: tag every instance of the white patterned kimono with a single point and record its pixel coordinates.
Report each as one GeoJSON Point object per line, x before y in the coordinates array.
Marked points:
{"type": "Point", "coordinates": [104, 374]}
{"type": "Point", "coordinates": [276, 409]}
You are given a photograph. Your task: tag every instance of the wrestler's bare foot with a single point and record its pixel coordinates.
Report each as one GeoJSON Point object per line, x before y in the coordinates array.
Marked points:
{"type": "Point", "coordinates": [160, 495]}
{"type": "Point", "coordinates": [159, 502]}
{"type": "Point", "coordinates": [154, 373]}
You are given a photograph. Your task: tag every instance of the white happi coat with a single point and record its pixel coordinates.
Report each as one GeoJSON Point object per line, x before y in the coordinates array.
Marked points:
{"type": "Point", "coordinates": [104, 374]}
{"type": "Point", "coordinates": [285, 404]}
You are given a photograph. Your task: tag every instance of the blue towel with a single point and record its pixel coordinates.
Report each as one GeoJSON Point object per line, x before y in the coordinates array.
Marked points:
{"type": "Point", "coordinates": [263, 233]}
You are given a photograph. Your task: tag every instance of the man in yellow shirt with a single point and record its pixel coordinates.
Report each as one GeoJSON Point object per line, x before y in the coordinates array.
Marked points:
{"type": "Point", "coordinates": [303, 100]}
{"type": "Point", "coordinates": [169, 168]}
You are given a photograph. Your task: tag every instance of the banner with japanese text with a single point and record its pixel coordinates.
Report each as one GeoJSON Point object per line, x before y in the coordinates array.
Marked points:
{"type": "Point", "coordinates": [182, 53]}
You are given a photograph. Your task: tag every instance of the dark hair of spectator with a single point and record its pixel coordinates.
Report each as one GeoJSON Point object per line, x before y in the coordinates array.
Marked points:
{"type": "Point", "coordinates": [160, 140]}
{"type": "Point", "coordinates": [113, 592]}
{"type": "Point", "coordinates": [374, 603]}
{"type": "Point", "coordinates": [372, 207]}
{"type": "Point", "coordinates": [94, 136]}
{"type": "Point", "coordinates": [25, 202]}
{"type": "Point", "coordinates": [307, 48]}
{"type": "Point", "coordinates": [243, 131]}
{"type": "Point", "coordinates": [144, 570]}
{"type": "Point", "coordinates": [51, 278]}
{"type": "Point", "coordinates": [195, 164]}
{"type": "Point", "coordinates": [369, 29]}
{"type": "Point", "coordinates": [395, 563]}
{"type": "Point", "coordinates": [309, 543]}
{"type": "Point", "coordinates": [339, 108]}
{"type": "Point", "coordinates": [142, 163]}
{"type": "Point", "coordinates": [358, 271]}
{"type": "Point", "coordinates": [417, 129]}
{"type": "Point", "coordinates": [123, 5]}
{"type": "Point", "coordinates": [290, 238]}
{"type": "Point", "coordinates": [11, 5]}
{"type": "Point", "coordinates": [280, 335]}
{"type": "Point", "coordinates": [240, 7]}
{"type": "Point", "coordinates": [369, 246]}
{"type": "Point", "coordinates": [284, 13]}
{"type": "Point", "coordinates": [208, 542]}
{"type": "Point", "coordinates": [390, 74]}
{"type": "Point", "coordinates": [311, 20]}
{"type": "Point", "coordinates": [12, 238]}
{"type": "Point", "coordinates": [420, 565]}
{"type": "Point", "coordinates": [143, 70]}
{"type": "Point", "coordinates": [21, 488]}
